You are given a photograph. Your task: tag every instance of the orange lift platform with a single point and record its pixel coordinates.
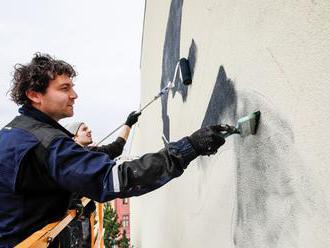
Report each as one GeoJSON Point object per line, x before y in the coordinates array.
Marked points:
{"type": "Point", "coordinates": [43, 237]}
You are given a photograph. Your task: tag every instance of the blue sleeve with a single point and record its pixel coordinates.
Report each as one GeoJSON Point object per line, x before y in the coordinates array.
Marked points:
{"type": "Point", "coordinates": [95, 175]}
{"type": "Point", "coordinates": [79, 170]}
{"type": "Point", "coordinates": [153, 170]}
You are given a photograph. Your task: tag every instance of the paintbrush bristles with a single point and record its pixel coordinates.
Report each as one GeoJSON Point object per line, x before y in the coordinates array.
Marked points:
{"type": "Point", "coordinates": [249, 124]}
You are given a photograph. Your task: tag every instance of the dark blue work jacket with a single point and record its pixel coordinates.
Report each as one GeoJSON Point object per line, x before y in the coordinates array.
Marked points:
{"type": "Point", "coordinates": [40, 166]}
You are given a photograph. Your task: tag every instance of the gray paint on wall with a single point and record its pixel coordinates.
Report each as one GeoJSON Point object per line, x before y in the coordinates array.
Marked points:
{"type": "Point", "coordinates": [192, 56]}
{"type": "Point", "coordinates": [271, 195]}
{"type": "Point", "coordinates": [222, 104]}
{"type": "Point", "coordinates": [268, 203]}
{"type": "Point", "coordinates": [171, 55]}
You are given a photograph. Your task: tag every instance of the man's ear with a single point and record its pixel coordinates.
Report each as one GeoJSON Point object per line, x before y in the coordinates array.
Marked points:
{"type": "Point", "coordinates": [35, 97]}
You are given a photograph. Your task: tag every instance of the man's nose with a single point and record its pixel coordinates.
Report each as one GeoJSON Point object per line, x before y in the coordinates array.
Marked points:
{"type": "Point", "coordinates": [73, 95]}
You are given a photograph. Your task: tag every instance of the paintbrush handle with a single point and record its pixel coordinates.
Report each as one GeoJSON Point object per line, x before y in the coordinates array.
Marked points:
{"type": "Point", "coordinates": [229, 130]}
{"type": "Point", "coordinates": [225, 134]}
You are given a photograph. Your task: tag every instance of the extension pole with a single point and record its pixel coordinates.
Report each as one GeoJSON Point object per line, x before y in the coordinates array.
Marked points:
{"type": "Point", "coordinates": [183, 65]}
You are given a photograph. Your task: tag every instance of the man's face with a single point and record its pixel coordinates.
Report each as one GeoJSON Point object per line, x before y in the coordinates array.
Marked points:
{"type": "Point", "coordinates": [58, 100]}
{"type": "Point", "coordinates": [84, 135]}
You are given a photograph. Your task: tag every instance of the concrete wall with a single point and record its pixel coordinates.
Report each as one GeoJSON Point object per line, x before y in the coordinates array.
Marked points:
{"type": "Point", "coordinates": [268, 190]}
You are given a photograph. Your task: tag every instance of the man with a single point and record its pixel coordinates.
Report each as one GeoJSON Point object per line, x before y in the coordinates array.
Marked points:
{"type": "Point", "coordinates": [77, 233]}
{"type": "Point", "coordinates": [41, 165]}
{"type": "Point", "coordinates": [83, 136]}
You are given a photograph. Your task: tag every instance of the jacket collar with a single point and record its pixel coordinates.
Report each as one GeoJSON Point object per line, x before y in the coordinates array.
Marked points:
{"type": "Point", "coordinates": [32, 112]}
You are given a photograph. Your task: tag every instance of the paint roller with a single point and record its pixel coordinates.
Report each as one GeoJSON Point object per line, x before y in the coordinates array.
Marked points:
{"type": "Point", "coordinates": [185, 75]}
{"type": "Point", "coordinates": [247, 125]}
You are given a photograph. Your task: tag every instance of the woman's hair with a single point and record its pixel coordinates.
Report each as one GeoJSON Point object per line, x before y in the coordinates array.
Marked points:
{"type": "Point", "coordinates": [36, 76]}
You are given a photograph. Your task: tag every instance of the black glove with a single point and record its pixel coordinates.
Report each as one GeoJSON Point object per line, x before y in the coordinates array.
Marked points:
{"type": "Point", "coordinates": [132, 118]}
{"type": "Point", "coordinates": [207, 140]}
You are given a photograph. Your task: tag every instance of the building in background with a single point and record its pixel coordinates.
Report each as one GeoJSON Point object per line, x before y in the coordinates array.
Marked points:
{"type": "Point", "coordinates": [121, 206]}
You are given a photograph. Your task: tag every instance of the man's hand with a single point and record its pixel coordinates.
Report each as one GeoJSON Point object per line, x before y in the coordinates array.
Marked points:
{"type": "Point", "coordinates": [207, 140]}
{"type": "Point", "coordinates": [132, 118]}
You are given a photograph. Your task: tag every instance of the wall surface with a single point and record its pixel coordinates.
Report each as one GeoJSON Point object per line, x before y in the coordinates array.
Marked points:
{"type": "Point", "coordinates": [267, 190]}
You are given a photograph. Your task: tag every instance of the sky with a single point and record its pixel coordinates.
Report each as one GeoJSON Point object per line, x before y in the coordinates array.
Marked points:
{"type": "Point", "coordinates": [101, 38]}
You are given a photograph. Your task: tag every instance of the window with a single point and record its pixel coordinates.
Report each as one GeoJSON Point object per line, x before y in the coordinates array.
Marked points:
{"type": "Point", "coordinates": [125, 221]}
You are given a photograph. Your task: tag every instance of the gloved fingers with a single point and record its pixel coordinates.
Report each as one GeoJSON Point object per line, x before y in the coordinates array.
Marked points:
{"type": "Point", "coordinates": [131, 114]}
{"type": "Point", "coordinates": [132, 118]}
{"type": "Point", "coordinates": [218, 140]}
{"type": "Point", "coordinates": [137, 113]}
{"type": "Point", "coordinates": [134, 114]}
{"type": "Point", "coordinates": [207, 140]}
{"type": "Point", "coordinates": [221, 128]}
{"type": "Point", "coordinates": [212, 152]}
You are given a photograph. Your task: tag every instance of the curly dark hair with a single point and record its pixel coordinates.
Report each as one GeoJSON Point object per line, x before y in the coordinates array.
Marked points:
{"type": "Point", "coordinates": [36, 76]}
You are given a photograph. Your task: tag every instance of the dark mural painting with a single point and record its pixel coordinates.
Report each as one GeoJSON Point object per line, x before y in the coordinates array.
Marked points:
{"type": "Point", "coordinates": [222, 105]}
{"type": "Point", "coordinates": [171, 54]}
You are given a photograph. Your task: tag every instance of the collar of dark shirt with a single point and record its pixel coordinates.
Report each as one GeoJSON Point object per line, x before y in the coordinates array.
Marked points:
{"type": "Point", "coordinates": [32, 112]}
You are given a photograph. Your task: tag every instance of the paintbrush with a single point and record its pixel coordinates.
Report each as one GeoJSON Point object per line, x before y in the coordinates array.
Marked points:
{"type": "Point", "coordinates": [247, 125]}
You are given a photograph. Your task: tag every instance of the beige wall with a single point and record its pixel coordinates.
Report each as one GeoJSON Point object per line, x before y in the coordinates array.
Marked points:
{"type": "Point", "coordinates": [269, 190]}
